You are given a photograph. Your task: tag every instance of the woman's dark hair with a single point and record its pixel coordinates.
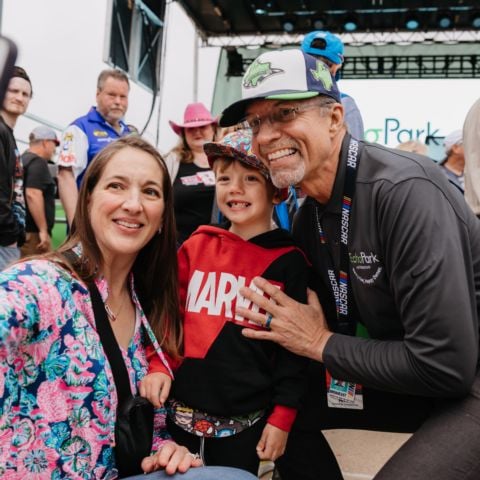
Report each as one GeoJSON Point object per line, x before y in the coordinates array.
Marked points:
{"type": "Point", "coordinates": [155, 268]}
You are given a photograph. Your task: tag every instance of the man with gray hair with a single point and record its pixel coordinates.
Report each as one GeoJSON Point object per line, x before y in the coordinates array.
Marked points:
{"type": "Point", "coordinates": [392, 320]}
{"type": "Point", "coordinates": [87, 135]}
{"type": "Point", "coordinates": [40, 189]}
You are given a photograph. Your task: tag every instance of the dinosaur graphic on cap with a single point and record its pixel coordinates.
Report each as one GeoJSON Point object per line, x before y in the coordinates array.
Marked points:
{"type": "Point", "coordinates": [257, 72]}
{"type": "Point", "coordinates": [322, 74]}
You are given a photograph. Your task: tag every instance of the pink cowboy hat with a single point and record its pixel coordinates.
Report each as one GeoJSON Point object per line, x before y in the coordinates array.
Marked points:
{"type": "Point", "coordinates": [196, 115]}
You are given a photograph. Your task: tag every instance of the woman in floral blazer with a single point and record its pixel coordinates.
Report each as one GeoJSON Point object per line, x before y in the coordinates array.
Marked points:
{"type": "Point", "coordinates": [58, 399]}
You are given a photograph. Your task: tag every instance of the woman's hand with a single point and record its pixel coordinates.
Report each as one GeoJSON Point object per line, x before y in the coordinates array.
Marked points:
{"type": "Point", "coordinates": [155, 387]}
{"type": "Point", "coordinates": [299, 328]}
{"type": "Point", "coordinates": [172, 458]}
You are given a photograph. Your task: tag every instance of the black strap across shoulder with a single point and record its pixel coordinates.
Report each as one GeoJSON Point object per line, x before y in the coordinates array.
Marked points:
{"type": "Point", "coordinates": [110, 345]}
{"type": "Point", "coordinates": [107, 338]}
{"type": "Point", "coordinates": [134, 418]}
{"type": "Point", "coordinates": [134, 423]}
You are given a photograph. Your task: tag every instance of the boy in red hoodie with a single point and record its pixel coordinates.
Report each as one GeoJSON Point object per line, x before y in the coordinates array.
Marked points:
{"type": "Point", "coordinates": [233, 400]}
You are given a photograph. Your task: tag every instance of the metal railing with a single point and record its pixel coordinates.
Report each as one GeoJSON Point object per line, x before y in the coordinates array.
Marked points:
{"type": "Point", "coordinates": [418, 66]}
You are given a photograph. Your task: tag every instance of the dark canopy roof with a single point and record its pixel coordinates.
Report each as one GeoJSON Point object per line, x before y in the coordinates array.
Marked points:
{"type": "Point", "coordinates": [220, 18]}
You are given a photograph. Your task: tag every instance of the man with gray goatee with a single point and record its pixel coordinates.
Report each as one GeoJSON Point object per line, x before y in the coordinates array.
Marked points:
{"type": "Point", "coordinates": [392, 319]}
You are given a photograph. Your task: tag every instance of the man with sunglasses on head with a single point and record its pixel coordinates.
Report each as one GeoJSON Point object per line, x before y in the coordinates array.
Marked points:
{"type": "Point", "coordinates": [392, 319]}
{"type": "Point", "coordinates": [329, 48]}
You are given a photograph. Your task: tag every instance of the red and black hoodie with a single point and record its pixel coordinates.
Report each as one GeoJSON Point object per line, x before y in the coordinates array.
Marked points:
{"type": "Point", "coordinates": [224, 373]}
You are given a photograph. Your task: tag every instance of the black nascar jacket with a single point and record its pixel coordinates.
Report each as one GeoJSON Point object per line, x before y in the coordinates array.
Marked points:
{"type": "Point", "coordinates": [414, 250]}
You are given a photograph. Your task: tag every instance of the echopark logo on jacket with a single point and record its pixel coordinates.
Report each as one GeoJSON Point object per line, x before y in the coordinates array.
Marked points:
{"type": "Point", "coordinates": [366, 266]}
{"type": "Point", "coordinates": [218, 294]}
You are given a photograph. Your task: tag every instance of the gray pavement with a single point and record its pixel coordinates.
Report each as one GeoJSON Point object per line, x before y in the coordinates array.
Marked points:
{"type": "Point", "coordinates": [362, 453]}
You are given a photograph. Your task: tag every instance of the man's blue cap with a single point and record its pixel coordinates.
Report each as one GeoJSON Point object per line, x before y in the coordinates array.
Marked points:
{"type": "Point", "coordinates": [325, 44]}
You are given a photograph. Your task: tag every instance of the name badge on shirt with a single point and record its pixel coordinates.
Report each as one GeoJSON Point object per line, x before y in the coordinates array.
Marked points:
{"type": "Point", "coordinates": [342, 394]}
{"type": "Point", "coordinates": [207, 178]}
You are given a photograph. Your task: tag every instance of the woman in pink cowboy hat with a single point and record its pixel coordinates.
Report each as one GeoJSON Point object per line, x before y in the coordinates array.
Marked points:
{"type": "Point", "coordinates": [192, 178]}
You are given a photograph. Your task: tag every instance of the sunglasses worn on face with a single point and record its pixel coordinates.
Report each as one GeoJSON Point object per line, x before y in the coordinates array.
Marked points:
{"type": "Point", "coordinates": [280, 115]}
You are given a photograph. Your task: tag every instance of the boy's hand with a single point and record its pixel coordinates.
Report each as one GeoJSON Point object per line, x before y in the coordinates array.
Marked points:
{"type": "Point", "coordinates": [272, 443]}
{"type": "Point", "coordinates": [156, 387]}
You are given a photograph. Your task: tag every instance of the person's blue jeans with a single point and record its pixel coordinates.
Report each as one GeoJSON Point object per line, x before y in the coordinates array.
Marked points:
{"type": "Point", "coordinates": [8, 255]}
{"type": "Point", "coordinates": [200, 473]}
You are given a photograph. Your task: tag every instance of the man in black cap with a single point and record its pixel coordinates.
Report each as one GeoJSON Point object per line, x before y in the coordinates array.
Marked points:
{"type": "Point", "coordinates": [40, 190]}
{"type": "Point", "coordinates": [392, 322]}
{"type": "Point", "coordinates": [12, 203]}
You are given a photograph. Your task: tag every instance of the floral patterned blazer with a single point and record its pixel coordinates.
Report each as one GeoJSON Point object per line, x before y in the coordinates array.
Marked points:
{"type": "Point", "coordinates": [57, 394]}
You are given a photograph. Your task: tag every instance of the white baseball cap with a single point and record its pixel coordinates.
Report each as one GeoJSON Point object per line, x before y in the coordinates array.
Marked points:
{"type": "Point", "coordinates": [453, 138]}
{"type": "Point", "coordinates": [282, 75]}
